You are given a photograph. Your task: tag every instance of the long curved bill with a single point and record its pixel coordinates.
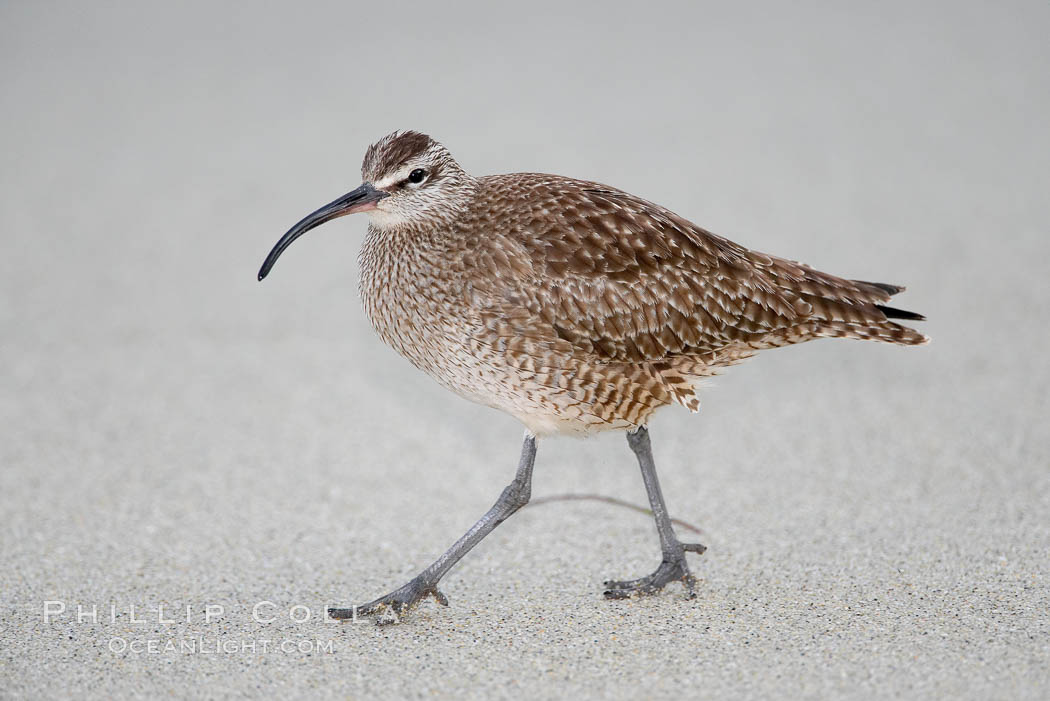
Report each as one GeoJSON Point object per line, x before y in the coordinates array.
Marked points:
{"type": "Point", "coordinates": [362, 199]}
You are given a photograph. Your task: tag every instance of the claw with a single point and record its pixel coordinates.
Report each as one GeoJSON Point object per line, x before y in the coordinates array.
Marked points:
{"type": "Point", "coordinates": [698, 548]}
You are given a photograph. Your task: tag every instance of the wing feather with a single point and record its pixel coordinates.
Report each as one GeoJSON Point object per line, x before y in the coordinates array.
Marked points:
{"type": "Point", "coordinates": [619, 279]}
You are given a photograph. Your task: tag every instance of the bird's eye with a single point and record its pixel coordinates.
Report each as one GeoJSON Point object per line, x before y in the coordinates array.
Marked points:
{"type": "Point", "coordinates": [417, 175]}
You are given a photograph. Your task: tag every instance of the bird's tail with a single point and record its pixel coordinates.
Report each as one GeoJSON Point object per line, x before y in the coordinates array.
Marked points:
{"type": "Point", "coordinates": [889, 330]}
{"type": "Point", "coordinates": [838, 308]}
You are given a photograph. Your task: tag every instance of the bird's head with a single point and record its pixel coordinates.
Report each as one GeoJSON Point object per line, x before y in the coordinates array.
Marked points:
{"type": "Point", "coordinates": [410, 182]}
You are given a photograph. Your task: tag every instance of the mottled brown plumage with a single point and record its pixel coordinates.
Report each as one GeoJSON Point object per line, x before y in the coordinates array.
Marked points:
{"type": "Point", "coordinates": [573, 306]}
{"type": "Point", "coordinates": [577, 307]}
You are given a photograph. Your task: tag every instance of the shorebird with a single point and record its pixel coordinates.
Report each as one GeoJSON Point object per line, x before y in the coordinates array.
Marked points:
{"type": "Point", "coordinates": [574, 307]}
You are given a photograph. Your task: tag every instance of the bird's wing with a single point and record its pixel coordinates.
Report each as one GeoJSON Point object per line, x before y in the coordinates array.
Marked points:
{"type": "Point", "coordinates": [618, 278]}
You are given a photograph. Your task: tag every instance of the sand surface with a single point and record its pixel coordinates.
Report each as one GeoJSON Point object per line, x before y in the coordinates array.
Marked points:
{"type": "Point", "coordinates": [183, 446]}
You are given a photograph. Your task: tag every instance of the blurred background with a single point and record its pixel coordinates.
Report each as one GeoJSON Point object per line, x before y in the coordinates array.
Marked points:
{"type": "Point", "coordinates": [175, 430]}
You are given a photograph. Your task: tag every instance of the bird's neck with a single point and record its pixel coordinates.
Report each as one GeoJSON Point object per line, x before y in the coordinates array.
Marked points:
{"type": "Point", "coordinates": [406, 284]}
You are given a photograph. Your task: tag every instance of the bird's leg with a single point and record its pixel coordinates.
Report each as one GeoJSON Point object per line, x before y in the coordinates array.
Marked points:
{"type": "Point", "coordinates": [673, 567]}
{"type": "Point", "coordinates": [397, 602]}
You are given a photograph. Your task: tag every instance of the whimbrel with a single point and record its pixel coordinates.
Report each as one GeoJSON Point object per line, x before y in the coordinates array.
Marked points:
{"type": "Point", "coordinates": [574, 307]}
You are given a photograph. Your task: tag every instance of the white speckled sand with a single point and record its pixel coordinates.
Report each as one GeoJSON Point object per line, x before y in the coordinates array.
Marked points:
{"type": "Point", "coordinates": [176, 434]}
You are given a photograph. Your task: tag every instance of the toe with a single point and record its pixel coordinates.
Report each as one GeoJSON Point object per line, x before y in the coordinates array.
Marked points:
{"type": "Point", "coordinates": [341, 614]}
{"type": "Point", "coordinates": [618, 593]}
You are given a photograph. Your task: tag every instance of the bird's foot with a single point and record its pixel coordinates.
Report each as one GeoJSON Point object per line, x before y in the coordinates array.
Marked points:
{"type": "Point", "coordinates": [673, 568]}
{"type": "Point", "coordinates": [390, 608]}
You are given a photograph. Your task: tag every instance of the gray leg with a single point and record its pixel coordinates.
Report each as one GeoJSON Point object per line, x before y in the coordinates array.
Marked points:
{"type": "Point", "coordinates": [673, 567]}
{"type": "Point", "coordinates": [514, 496]}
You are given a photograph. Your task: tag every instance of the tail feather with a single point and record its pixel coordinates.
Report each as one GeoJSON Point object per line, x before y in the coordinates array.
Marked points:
{"type": "Point", "coordinates": [859, 313]}
{"type": "Point", "coordinates": [901, 335]}
{"type": "Point", "coordinates": [837, 308]}
{"type": "Point", "coordinates": [894, 313]}
{"type": "Point", "coordinates": [884, 286]}
{"type": "Point", "coordinates": [889, 290]}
